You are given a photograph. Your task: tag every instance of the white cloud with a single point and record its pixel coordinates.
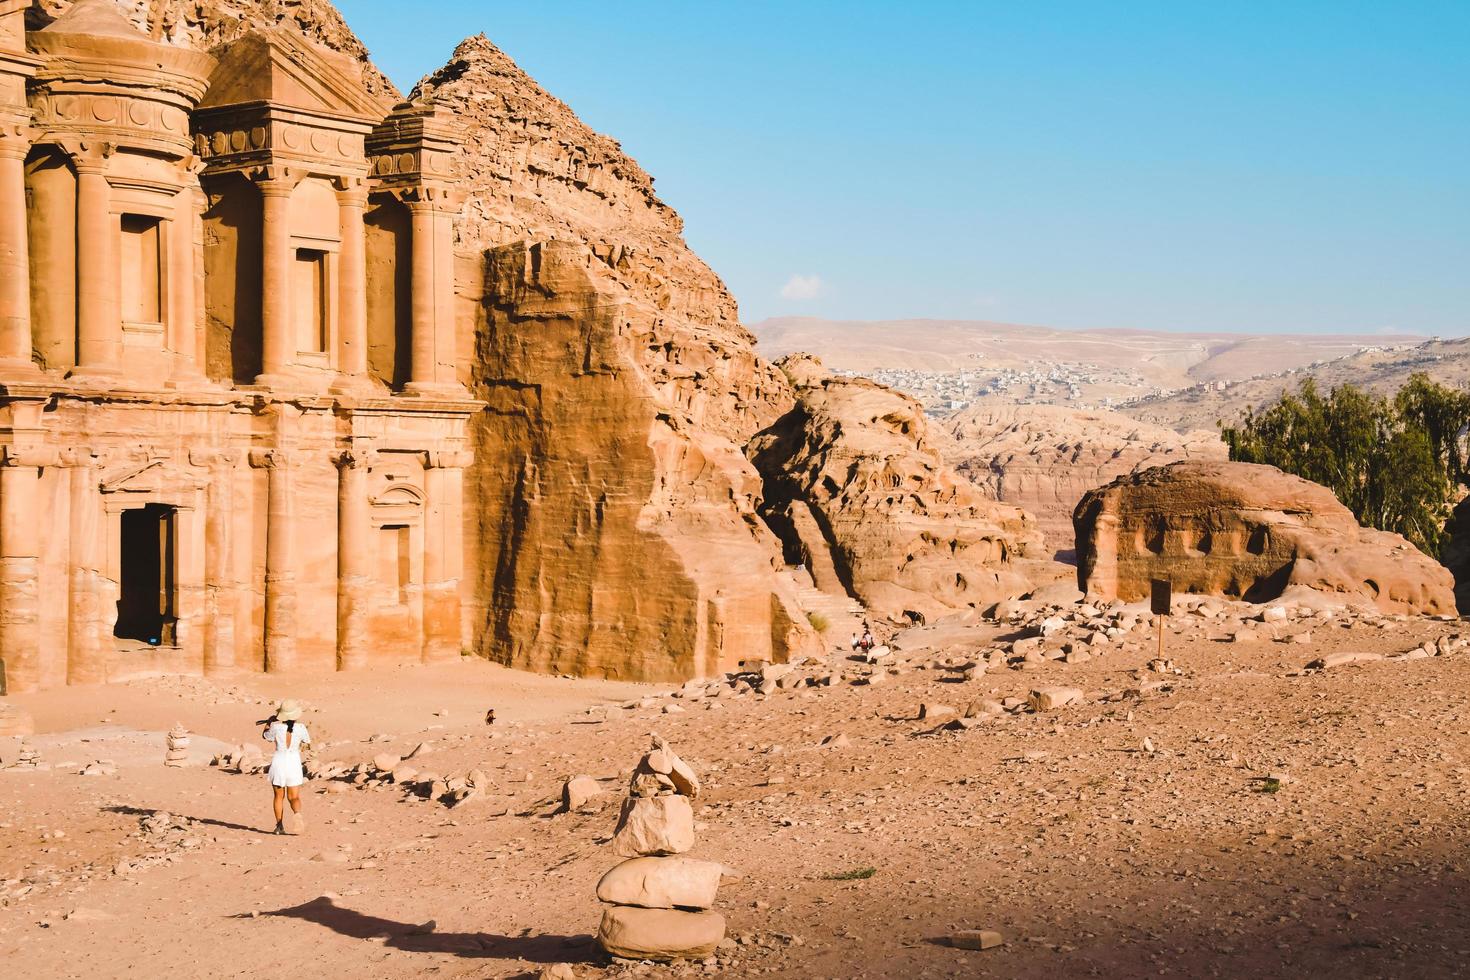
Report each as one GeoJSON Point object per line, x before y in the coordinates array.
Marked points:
{"type": "Point", "coordinates": [802, 287]}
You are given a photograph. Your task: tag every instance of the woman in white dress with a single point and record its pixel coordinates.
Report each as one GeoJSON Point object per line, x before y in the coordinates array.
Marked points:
{"type": "Point", "coordinates": [290, 735]}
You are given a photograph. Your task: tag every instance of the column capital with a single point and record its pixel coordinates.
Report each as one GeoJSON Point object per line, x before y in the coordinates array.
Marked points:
{"type": "Point", "coordinates": [226, 459]}
{"type": "Point", "coordinates": [15, 136]}
{"type": "Point", "coordinates": [77, 456]}
{"type": "Point", "coordinates": [351, 459]}
{"type": "Point", "coordinates": [351, 190]}
{"type": "Point", "coordinates": [272, 459]}
{"type": "Point", "coordinates": [443, 459]}
{"type": "Point", "coordinates": [33, 456]}
{"type": "Point", "coordinates": [429, 197]}
{"type": "Point", "coordinates": [275, 180]}
{"type": "Point", "coordinates": [89, 156]}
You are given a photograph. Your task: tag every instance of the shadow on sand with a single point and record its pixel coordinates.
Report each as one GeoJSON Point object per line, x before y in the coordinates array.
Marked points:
{"type": "Point", "coordinates": [140, 811]}
{"type": "Point", "coordinates": [423, 938]}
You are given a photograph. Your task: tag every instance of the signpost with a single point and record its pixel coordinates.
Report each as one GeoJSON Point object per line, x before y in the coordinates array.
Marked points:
{"type": "Point", "coordinates": [1161, 599]}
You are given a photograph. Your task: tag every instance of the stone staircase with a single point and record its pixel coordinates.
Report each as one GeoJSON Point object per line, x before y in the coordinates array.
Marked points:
{"type": "Point", "coordinates": [844, 614]}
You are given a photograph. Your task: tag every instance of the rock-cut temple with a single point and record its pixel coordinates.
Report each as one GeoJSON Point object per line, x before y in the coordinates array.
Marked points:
{"type": "Point", "coordinates": [232, 429]}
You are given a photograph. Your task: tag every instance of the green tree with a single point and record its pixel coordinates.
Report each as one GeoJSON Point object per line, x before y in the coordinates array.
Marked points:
{"type": "Point", "coordinates": [1394, 463]}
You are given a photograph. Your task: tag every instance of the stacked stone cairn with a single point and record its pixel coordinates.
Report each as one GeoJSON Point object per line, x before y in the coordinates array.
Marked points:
{"type": "Point", "coordinates": [659, 903]}
{"type": "Point", "coordinates": [178, 746]}
{"type": "Point", "coordinates": [27, 757]}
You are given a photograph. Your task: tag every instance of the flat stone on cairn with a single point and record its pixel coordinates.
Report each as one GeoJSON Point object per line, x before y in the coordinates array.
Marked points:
{"type": "Point", "coordinates": [178, 746]}
{"type": "Point", "coordinates": [659, 903]}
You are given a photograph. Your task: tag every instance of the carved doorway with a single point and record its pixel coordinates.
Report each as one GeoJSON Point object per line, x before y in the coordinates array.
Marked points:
{"type": "Point", "coordinates": [147, 587]}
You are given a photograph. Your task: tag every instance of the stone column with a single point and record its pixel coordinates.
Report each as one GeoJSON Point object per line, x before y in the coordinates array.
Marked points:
{"type": "Point", "coordinates": [20, 567]}
{"type": "Point", "coordinates": [431, 360]}
{"type": "Point", "coordinates": [99, 313]}
{"type": "Point", "coordinates": [354, 568]}
{"type": "Point", "coordinates": [183, 333]}
{"type": "Point", "coordinates": [220, 601]}
{"type": "Point", "coordinates": [421, 294]}
{"type": "Point", "coordinates": [280, 568]}
{"type": "Point", "coordinates": [86, 654]}
{"type": "Point", "coordinates": [443, 553]}
{"type": "Point", "coordinates": [278, 340]}
{"type": "Point", "coordinates": [352, 363]}
{"type": "Point", "coordinates": [15, 274]}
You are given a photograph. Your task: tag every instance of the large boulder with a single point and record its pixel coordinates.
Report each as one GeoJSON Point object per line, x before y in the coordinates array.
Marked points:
{"type": "Point", "coordinates": [857, 488]}
{"type": "Point", "coordinates": [1043, 458]}
{"type": "Point", "coordinates": [662, 883]}
{"type": "Point", "coordinates": [1246, 531]}
{"type": "Point", "coordinates": [660, 934]}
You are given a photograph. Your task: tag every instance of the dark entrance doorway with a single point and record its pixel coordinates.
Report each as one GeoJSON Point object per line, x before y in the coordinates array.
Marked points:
{"type": "Point", "coordinates": [145, 605]}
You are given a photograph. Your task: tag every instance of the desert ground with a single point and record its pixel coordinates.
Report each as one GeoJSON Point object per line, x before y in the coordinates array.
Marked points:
{"type": "Point", "coordinates": [1220, 812]}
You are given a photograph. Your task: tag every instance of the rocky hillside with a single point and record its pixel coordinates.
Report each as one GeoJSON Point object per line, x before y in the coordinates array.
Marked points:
{"type": "Point", "coordinates": [857, 488]}
{"type": "Point", "coordinates": [1385, 371]}
{"type": "Point", "coordinates": [1043, 458]}
{"type": "Point", "coordinates": [533, 171]}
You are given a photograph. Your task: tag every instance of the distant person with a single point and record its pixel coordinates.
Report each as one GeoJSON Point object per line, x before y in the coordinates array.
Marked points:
{"type": "Point", "coordinates": [286, 773]}
{"type": "Point", "coordinates": [867, 641]}
{"type": "Point", "coordinates": [857, 641]}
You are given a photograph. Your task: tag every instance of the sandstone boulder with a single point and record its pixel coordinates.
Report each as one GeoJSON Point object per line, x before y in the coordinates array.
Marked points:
{"type": "Point", "coordinates": [662, 883]}
{"type": "Point", "coordinates": [1043, 458]}
{"type": "Point", "coordinates": [660, 934]}
{"type": "Point", "coordinates": [654, 825]}
{"type": "Point", "coordinates": [857, 489]}
{"type": "Point", "coordinates": [1249, 532]}
{"type": "Point", "coordinates": [578, 791]}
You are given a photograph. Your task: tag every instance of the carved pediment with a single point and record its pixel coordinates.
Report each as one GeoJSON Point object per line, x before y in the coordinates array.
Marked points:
{"type": "Point", "coordinates": [153, 475]}
{"type": "Point", "coordinates": [286, 71]}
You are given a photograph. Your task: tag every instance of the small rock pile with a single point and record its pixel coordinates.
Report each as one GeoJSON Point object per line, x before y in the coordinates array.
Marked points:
{"type": "Point", "coordinates": [242, 759]}
{"type": "Point", "coordinates": [659, 903]}
{"type": "Point", "coordinates": [27, 757]}
{"type": "Point", "coordinates": [178, 746]}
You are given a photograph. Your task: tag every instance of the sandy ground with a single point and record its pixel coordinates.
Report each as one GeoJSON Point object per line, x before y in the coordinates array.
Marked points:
{"type": "Point", "coordinates": [1093, 852]}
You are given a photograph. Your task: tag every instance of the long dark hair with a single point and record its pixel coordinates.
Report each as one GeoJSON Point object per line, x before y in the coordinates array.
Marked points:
{"type": "Point", "coordinates": [291, 725]}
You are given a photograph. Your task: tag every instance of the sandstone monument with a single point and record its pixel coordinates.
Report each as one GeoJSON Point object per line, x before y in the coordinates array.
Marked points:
{"type": "Point", "coordinates": [659, 902]}
{"type": "Point", "coordinates": [1043, 458]}
{"type": "Point", "coordinates": [1246, 531]}
{"type": "Point", "coordinates": [287, 362]}
{"type": "Point", "coordinates": [860, 493]}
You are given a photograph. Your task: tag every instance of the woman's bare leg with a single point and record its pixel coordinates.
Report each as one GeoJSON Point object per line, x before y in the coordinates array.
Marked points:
{"type": "Point", "coordinates": [294, 795]}
{"type": "Point", "coordinates": [278, 803]}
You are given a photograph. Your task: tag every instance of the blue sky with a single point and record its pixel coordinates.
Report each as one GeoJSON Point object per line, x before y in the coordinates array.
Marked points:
{"type": "Point", "coordinates": [1244, 165]}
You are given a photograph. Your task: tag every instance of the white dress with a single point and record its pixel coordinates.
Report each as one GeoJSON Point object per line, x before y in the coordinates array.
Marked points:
{"type": "Point", "coordinates": [286, 763]}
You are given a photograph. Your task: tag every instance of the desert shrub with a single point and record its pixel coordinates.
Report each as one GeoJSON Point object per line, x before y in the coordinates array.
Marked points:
{"type": "Point", "coordinates": [819, 622]}
{"type": "Point", "coordinates": [1395, 463]}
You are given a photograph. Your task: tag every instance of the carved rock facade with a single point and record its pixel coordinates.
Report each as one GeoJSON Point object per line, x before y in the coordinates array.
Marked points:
{"type": "Point", "coordinates": [1246, 531]}
{"type": "Point", "coordinates": [205, 468]}
{"type": "Point", "coordinates": [1043, 458]}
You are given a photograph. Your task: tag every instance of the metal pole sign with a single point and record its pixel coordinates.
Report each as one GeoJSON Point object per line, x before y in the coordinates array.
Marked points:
{"type": "Point", "coordinates": [1161, 599]}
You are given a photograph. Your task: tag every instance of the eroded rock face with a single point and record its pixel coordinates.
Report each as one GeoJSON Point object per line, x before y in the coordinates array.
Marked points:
{"type": "Point", "coordinates": [855, 483]}
{"type": "Point", "coordinates": [532, 171]}
{"type": "Point", "coordinates": [611, 535]}
{"type": "Point", "coordinates": [1043, 458]}
{"type": "Point", "coordinates": [616, 532]}
{"type": "Point", "coordinates": [1245, 531]}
